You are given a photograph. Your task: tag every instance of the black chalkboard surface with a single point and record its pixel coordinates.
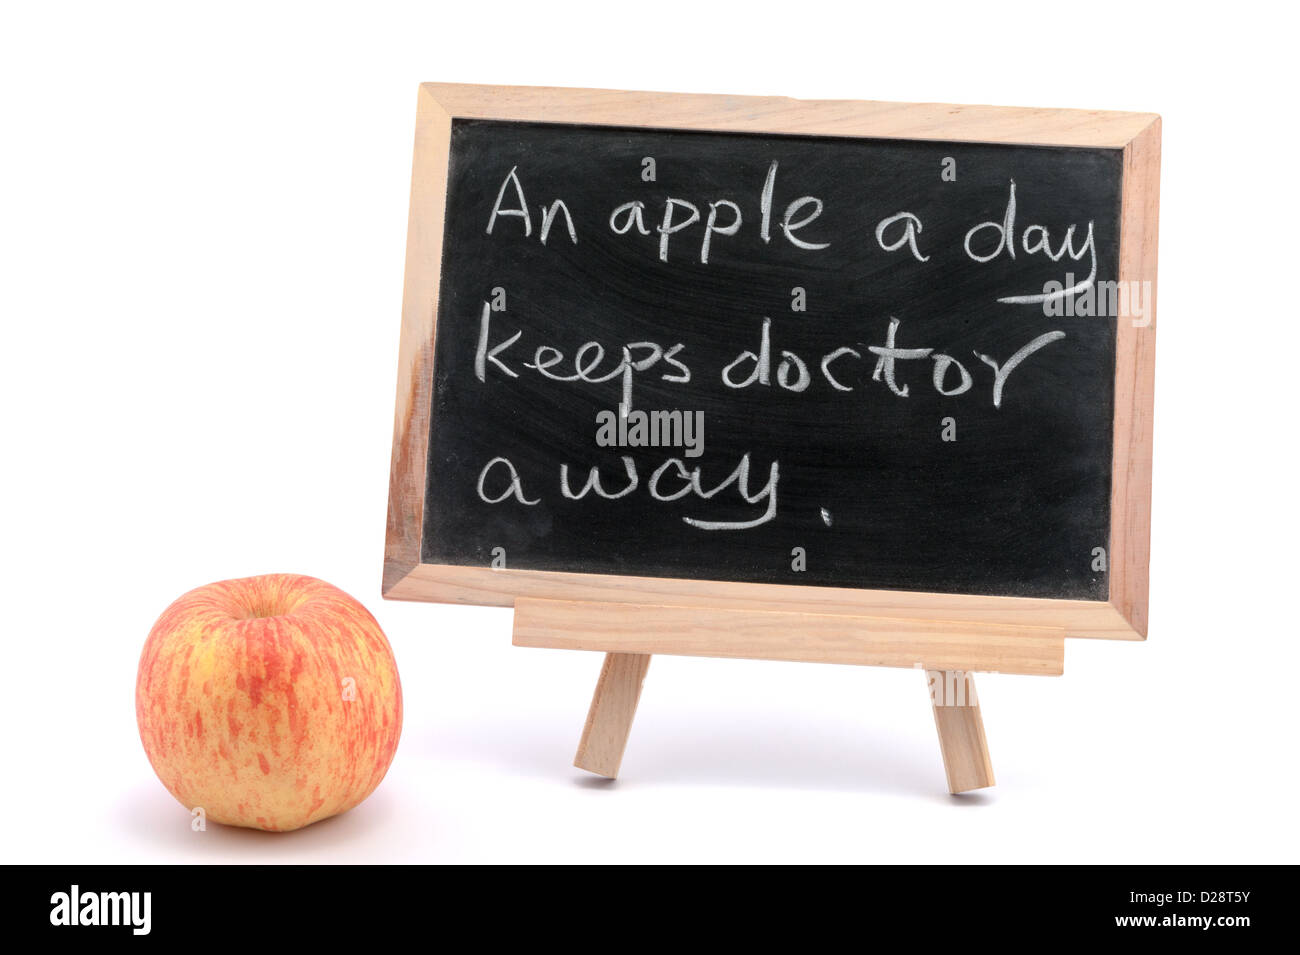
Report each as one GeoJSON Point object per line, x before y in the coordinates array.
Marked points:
{"type": "Point", "coordinates": [883, 403]}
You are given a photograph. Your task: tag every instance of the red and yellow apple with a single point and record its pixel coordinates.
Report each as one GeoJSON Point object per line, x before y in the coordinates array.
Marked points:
{"type": "Point", "coordinates": [271, 702]}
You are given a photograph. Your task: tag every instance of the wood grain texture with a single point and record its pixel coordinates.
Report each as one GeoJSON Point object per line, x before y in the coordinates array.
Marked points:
{"type": "Point", "coordinates": [504, 588]}
{"type": "Point", "coordinates": [767, 635]}
{"type": "Point", "coordinates": [780, 114]}
{"type": "Point", "coordinates": [1124, 616]}
{"type": "Point", "coordinates": [415, 359]}
{"type": "Point", "coordinates": [613, 707]}
{"type": "Point", "coordinates": [961, 735]}
{"type": "Point", "coordinates": [1135, 366]}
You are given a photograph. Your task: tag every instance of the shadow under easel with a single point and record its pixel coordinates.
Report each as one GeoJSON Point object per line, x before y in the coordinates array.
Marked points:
{"type": "Point", "coordinates": [762, 753]}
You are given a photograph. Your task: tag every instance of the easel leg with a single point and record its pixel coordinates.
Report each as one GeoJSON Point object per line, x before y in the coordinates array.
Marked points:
{"type": "Point", "coordinates": [613, 706]}
{"type": "Point", "coordinates": [961, 730]}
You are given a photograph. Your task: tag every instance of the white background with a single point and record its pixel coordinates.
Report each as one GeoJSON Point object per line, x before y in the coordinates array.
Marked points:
{"type": "Point", "coordinates": [202, 228]}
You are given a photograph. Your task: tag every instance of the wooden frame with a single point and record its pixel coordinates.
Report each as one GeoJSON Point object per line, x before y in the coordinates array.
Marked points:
{"type": "Point", "coordinates": [967, 617]}
{"type": "Point", "coordinates": [631, 618]}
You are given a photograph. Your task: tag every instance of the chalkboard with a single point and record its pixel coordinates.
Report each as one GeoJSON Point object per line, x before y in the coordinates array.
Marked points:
{"type": "Point", "coordinates": [720, 343]}
{"type": "Point", "coordinates": [852, 468]}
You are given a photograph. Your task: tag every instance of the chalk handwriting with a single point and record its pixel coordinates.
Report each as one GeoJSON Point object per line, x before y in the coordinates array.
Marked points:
{"type": "Point", "coordinates": [692, 231]}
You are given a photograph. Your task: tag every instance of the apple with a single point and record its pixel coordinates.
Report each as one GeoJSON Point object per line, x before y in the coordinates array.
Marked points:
{"type": "Point", "coordinates": [270, 702]}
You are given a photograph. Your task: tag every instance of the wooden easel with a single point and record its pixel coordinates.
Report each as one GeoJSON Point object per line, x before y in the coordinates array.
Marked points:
{"type": "Point", "coordinates": [630, 634]}
{"type": "Point", "coordinates": [630, 618]}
